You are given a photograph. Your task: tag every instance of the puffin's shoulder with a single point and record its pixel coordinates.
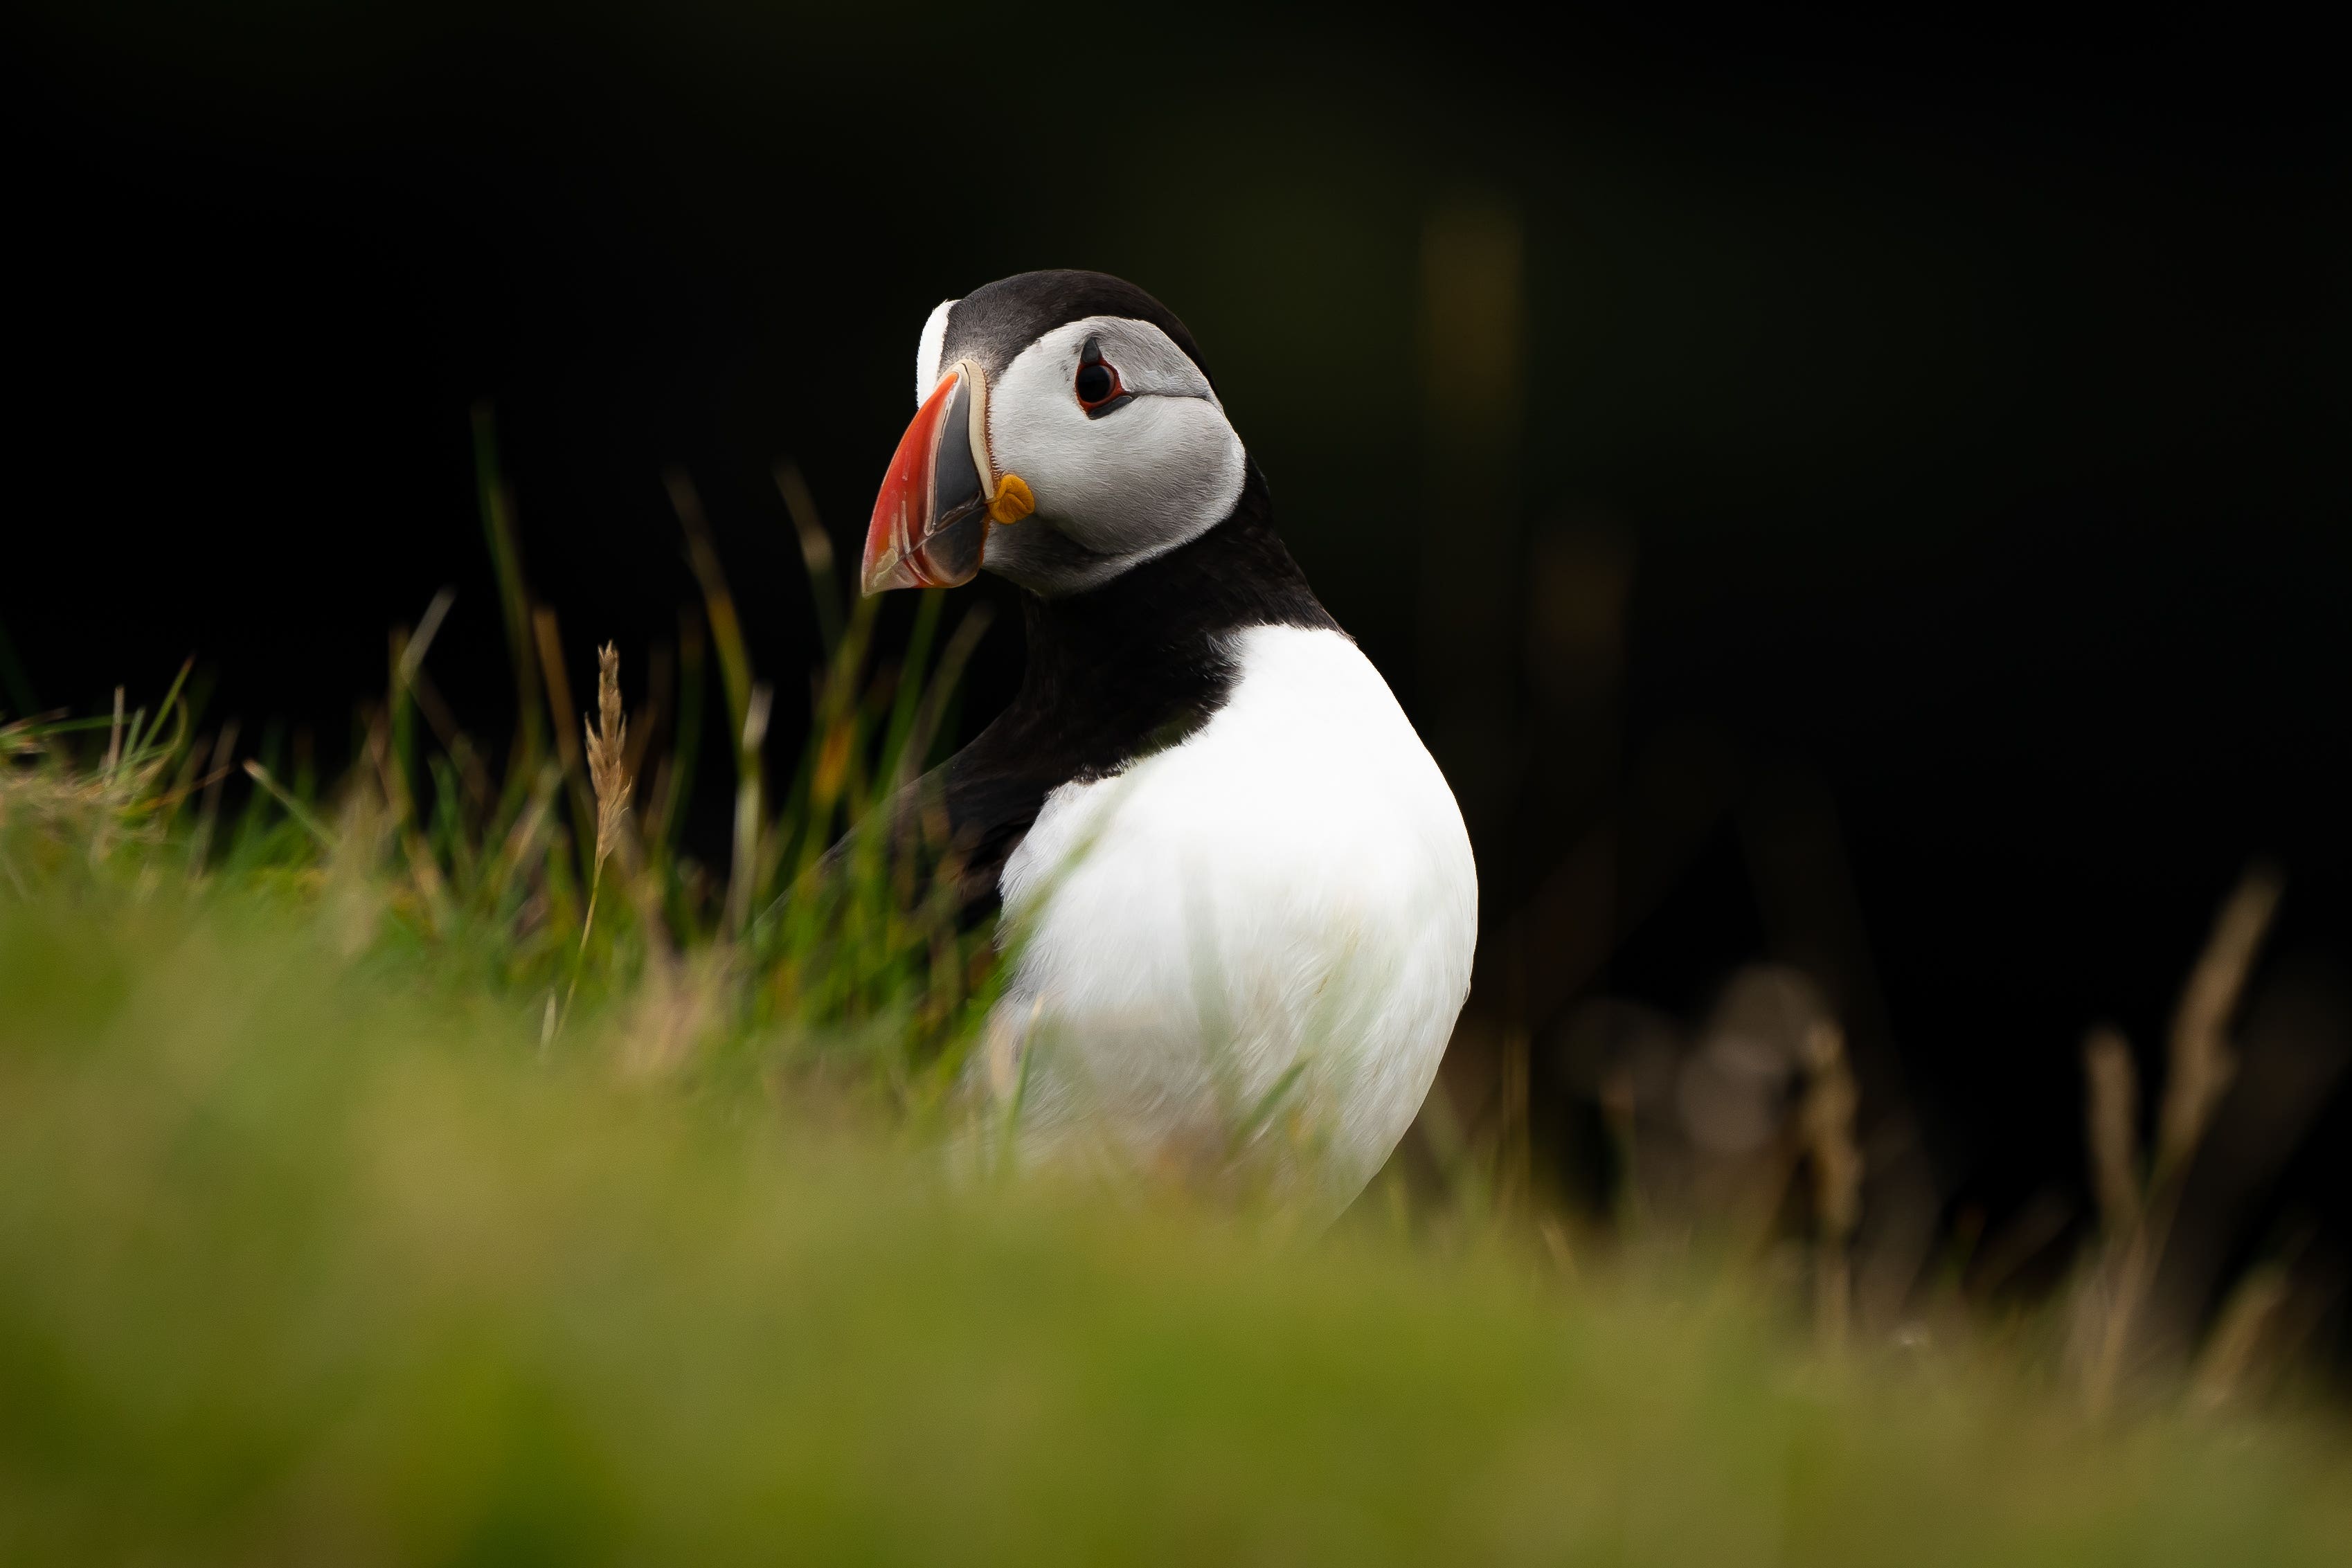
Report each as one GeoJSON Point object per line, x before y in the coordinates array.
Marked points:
{"type": "Point", "coordinates": [1116, 674]}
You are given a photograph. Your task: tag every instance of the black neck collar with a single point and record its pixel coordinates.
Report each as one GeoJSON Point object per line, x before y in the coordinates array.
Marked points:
{"type": "Point", "coordinates": [1123, 670]}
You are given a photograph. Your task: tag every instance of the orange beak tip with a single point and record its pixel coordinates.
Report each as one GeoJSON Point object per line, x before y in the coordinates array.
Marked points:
{"type": "Point", "coordinates": [882, 576]}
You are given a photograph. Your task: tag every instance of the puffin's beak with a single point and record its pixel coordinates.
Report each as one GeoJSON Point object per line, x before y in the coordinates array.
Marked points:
{"type": "Point", "coordinates": [932, 520]}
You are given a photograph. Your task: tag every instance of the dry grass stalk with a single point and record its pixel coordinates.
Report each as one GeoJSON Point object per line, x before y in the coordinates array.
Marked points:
{"type": "Point", "coordinates": [428, 626]}
{"type": "Point", "coordinates": [1834, 1155]}
{"type": "Point", "coordinates": [2111, 1113]}
{"type": "Point", "coordinates": [747, 700]}
{"type": "Point", "coordinates": [560, 709]}
{"type": "Point", "coordinates": [424, 872]}
{"type": "Point", "coordinates": [745, 873]}
{"type": "Point", "coordinates": [608, 743]}
{"type": "Point", "coordinates": [1555, 1241]}
{"type": "Point", "coordinates": [2200, 1065]}
{"type": "Point", "coordinates": [2110, 1300]}
{"type": "Point", "coordinates": [679, 1002]}
{"type": "Point", "coordinates": [816, 552]}
{"type": "Point", "coordinates": [114, 738]}
{"type": "Point", "coordinates": [497, 507]}
{"type": "Point", "coordinates": [208, 812]}
{"type": "Point", "coordinates": [294, 808]}
{"type": "Point", "coordinates": [608, 774]}
{"type": "Point", "coordinates": [2234, 1350]}
{"type": "Point", "coordinates": [525, 839]}
{"type": "Point", "coordinates": [2201, 1061]}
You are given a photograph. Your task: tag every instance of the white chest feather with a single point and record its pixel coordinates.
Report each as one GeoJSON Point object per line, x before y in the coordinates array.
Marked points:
{"type": "Point", "coordinates": [1261, 936]}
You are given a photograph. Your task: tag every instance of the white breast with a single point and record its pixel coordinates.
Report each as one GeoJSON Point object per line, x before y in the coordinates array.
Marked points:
{"type": "Point", "coordinates": [1260, 937]}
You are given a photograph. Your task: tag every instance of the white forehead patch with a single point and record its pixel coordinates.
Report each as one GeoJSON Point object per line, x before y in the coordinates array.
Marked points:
{"type": "Point", "coordinates": [927, 352]}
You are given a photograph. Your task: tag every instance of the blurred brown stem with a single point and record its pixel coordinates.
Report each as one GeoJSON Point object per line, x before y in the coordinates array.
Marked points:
{"type": "Point", "coordinates": [2201, 1063]}
{"type": "Point", "coordinates": [1831, 1102]}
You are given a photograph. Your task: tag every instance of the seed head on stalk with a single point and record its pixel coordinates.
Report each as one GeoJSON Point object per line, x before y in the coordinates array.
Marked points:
{"type": "Point", "coordinates": [608, 773]}
{"type": "Point", "coordinates": [608, 769]}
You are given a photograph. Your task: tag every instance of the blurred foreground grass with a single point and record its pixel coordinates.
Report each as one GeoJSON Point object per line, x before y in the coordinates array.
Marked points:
{"type": "Point", "coordinates": [310, 1253]}
{"type": "Point", "coordinates": [440, 1167]}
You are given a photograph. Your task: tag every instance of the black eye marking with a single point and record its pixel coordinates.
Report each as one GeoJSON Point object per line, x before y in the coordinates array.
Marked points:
{"type": "Point", "coordinates": [1097, 383]}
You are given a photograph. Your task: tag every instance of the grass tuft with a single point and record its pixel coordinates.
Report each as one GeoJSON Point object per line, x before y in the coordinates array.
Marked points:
{"type": "Point", "coordinates": [329, 1230]}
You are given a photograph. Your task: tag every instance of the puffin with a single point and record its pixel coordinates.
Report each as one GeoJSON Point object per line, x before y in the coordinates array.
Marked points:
{"type": "Point", "coordinates": [1236, 897]}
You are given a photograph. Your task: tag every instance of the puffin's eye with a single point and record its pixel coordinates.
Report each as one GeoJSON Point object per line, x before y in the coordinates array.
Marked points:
{"type": "Point", "coordinates": [1098, 385]}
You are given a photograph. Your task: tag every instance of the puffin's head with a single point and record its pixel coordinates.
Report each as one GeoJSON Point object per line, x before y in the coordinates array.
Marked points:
{"type": "Point", "coordinates": [1066, 431]}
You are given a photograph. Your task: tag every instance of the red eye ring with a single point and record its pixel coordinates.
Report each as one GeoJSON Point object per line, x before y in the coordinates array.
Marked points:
{"type": "Point", "coordinates": [1097, 383]}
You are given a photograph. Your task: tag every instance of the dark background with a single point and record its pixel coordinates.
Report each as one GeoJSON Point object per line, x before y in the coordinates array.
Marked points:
{"type": "Point", "coordinates": [1903, 530]}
